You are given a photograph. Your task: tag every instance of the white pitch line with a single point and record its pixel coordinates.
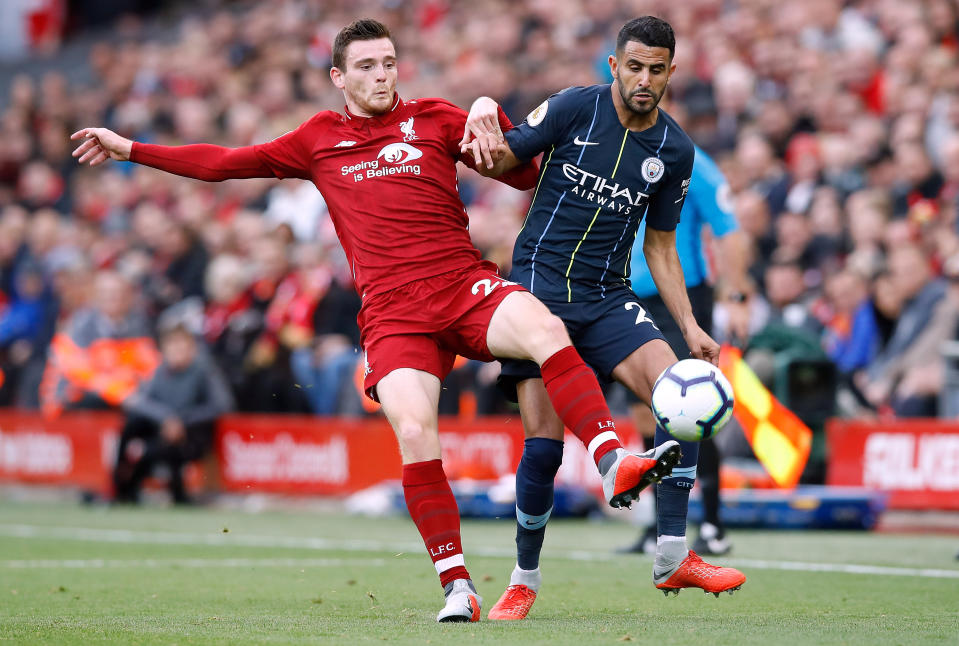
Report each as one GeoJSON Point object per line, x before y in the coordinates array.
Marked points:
{"type": "Point", "coordinates": [881, 570]}
{"type": "Point", "coordinates": [82, 564]}
{"type": "Point", "coordinates": [351, 545]}
{"type": "Point", "coordinates": [183, 538]}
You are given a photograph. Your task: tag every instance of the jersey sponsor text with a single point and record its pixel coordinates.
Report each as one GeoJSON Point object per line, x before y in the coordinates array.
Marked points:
{"type": "Point", "coordinates": [602, 191]}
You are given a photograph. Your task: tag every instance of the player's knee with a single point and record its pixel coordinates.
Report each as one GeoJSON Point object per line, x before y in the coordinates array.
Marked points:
{"type": "Point", "coordinates": [545, 455]}
{"type": "Point", "coordinates": [412, 433]}
{"type": "Point", "coordinates": [550, 332]}
{"type": "Point", "coordinates": [555, 328]}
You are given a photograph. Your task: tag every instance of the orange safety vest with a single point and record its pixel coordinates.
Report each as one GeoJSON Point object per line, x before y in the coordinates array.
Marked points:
{"type": "Point", "coordinates": [110, 368]}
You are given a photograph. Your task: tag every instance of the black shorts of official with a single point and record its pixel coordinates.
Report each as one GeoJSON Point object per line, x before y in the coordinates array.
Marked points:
{"type": "Point", "coordinates": [701, 300]}
{"type": "Point", "coordinates": [604, 332]}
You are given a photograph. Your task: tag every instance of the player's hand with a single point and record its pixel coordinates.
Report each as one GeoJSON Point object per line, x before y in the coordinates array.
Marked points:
{"type": "Point", "coordinates": [99, 145]}
{"type": "Point", "coordinates": [702, 346]}
{"type": "Point", "coordinates": [482, 134]}
{"type": "Point", "coordinates": [486, 150]}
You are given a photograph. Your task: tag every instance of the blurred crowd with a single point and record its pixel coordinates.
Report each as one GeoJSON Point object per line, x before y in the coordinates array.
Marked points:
{"type": "Point", "coordinates": [836, 124]}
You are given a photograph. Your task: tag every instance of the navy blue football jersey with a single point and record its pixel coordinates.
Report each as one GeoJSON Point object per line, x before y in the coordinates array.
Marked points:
{"type": "Point", "coordinates": [598, 181]}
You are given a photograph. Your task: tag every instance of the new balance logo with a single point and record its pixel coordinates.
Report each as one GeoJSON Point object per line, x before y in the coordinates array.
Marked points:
{"type": "Point", "coordinates": [580, 142]}
{"type": "Point", "coordinates": [345, 144]}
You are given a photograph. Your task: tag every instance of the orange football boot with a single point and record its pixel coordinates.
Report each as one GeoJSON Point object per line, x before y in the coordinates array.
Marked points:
{"type": "Point", "coordinates": [514, 604]}
{"type": "Point", "coordinates": [694, 572]}
{"type": "Point", "coordinates": [633, 472]}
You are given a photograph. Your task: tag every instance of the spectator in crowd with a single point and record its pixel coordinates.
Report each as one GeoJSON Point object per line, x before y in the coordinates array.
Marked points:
{"type": "Point", "coordinates": [908, 374]}
{"type": "Point", "coordinates": [316, 316]}
{"type": "Point", "coordinates": [169, 419]}
{"type": "Point", "coordinates": [183, 259]}
{"type": "Point", "coordinates": [23, 321]}
{"type": "Point", "coordinates": [230, 322]}
{"type": "Point", "coordinates": [103, 353]}
{"type": "Point", "coordinates": [852, 335]}
{"type": "Point", "coordinates": [269, 378]}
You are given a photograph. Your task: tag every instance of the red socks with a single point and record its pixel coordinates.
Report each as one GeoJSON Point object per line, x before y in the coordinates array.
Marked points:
{"type": "Point", "coordinates": [433, 509]}
{"type": "Point", "coordinates": [578, 400]}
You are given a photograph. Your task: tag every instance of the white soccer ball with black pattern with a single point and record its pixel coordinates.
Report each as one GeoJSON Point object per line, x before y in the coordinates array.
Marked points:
{"type": "Point", "coordinates": [692, 400]}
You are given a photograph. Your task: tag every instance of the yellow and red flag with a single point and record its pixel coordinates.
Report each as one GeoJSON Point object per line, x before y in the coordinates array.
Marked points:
{"type": "Point", "coordinates": [779, 439]}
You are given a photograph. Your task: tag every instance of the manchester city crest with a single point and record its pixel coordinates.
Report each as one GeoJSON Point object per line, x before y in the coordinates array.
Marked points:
{"type": "Point", "coordinates": [653, 169]}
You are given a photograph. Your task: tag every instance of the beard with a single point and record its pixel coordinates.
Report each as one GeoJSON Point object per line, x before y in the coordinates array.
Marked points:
{"type": "Point", "coordinates": [628, 100]}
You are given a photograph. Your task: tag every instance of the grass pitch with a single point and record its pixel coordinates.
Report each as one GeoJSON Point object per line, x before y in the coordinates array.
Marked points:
{"type": "Point", "coordinates": [72, 575]}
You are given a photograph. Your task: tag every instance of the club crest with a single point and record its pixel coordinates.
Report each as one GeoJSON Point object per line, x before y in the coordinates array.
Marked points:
{"type": "Point", "coordinates": [653, 169]}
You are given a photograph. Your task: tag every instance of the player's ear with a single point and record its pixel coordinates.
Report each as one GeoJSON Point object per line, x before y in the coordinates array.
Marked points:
{"type": "Point", "coordinates": [613, 65]}
{"type": "Point", "coordinates": [337, 77]}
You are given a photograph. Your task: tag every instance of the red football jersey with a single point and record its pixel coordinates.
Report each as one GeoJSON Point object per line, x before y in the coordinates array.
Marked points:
{"type": "Point", "coordinates": [390, 184]}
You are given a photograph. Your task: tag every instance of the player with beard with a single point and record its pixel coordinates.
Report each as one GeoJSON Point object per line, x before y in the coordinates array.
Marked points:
{"type": "Point", "coordinates": [611, 159]}
{"type": "Point", "coordinates": [387, 169]}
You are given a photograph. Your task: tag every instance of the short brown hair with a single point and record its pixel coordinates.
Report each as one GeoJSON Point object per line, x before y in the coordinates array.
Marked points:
{"type": "Point", "coordinates": [365, 29]}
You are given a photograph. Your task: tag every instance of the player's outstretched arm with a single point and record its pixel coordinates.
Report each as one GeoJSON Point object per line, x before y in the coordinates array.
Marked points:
{"type": "Point", "coordinates": [659, 248]}
{"type": "Point", "coordinates": [198, 161]}
{"type": "Point", "coordinates": [483, 139]}
{"type": "Point", "coordinates": [99, 145]}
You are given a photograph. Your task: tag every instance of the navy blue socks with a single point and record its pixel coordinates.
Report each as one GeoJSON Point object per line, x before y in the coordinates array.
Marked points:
{"type": "Point", "coordinates": [672, 494]}
{"type": "Point", "coordinates": [534, 497]}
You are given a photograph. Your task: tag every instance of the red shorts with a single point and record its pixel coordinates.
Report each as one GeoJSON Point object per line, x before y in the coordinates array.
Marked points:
{"type": "Point", "coordinates": [426, 323]}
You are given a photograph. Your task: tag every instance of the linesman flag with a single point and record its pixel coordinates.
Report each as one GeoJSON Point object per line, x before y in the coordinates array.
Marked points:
{"type": "Point", "coordinates": [779, 439]}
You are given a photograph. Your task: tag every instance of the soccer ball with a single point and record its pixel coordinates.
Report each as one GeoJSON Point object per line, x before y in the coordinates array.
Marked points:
{"type": "Point", "coordinates": [692, 400]}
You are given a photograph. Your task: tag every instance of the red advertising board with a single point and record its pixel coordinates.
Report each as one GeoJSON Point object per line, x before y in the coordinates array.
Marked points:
{"type": "Point", "coordinates": [287, 454]}
{"type": "Point", "coordinates": [309, 455]}
{"type": "Point", "coordinates": [916, 461]}
{"type": "Point", "coordinates": [76, 449]}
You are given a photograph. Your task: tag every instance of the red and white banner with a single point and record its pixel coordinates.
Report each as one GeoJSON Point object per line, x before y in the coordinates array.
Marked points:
{"type": "Point", "coordinates": [78, 449]}
{"type": "Point", "coordinates": [310, 455]}
{"type": "Point", "coordinates": [916, 461]}
{"type": "Point", "coordinates": [285, 454]}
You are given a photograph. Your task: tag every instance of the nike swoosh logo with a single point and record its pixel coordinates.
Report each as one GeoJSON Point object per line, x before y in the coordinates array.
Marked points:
{"type": "Point", "coordinates": [579, 142]}
{"type": "Point", "coordinates": [469, 605]}
{"type": "Point", "coordinates": [530, 522]}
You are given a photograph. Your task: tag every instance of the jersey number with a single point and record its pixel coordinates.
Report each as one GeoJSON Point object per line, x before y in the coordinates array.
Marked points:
{"type": "Point", "coordinates": [641, 316]}
{"type": "Point", "coordinates": [489, 285]}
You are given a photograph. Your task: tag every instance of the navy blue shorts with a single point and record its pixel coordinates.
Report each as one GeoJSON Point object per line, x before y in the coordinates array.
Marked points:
{"type": "Point", "coordinates": [603, 332]}
{"type": "Point", "coordinates": [701, 300]}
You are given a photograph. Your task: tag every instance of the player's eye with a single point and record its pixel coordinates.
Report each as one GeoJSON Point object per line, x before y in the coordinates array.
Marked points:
{"type": "Point", "coordinates": [366, 67]}
{"type": "Point", "coordinates": [390, 66]}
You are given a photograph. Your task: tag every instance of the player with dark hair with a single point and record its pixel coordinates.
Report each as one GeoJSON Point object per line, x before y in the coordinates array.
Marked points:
{"type": "Point", "coordinates": [612, 159]}
{"type": "Point", "coordinates": [387, 169]}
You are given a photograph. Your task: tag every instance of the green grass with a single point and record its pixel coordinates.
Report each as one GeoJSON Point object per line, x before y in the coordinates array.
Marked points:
{"type": "Point", "coordinates": [175, 577]}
